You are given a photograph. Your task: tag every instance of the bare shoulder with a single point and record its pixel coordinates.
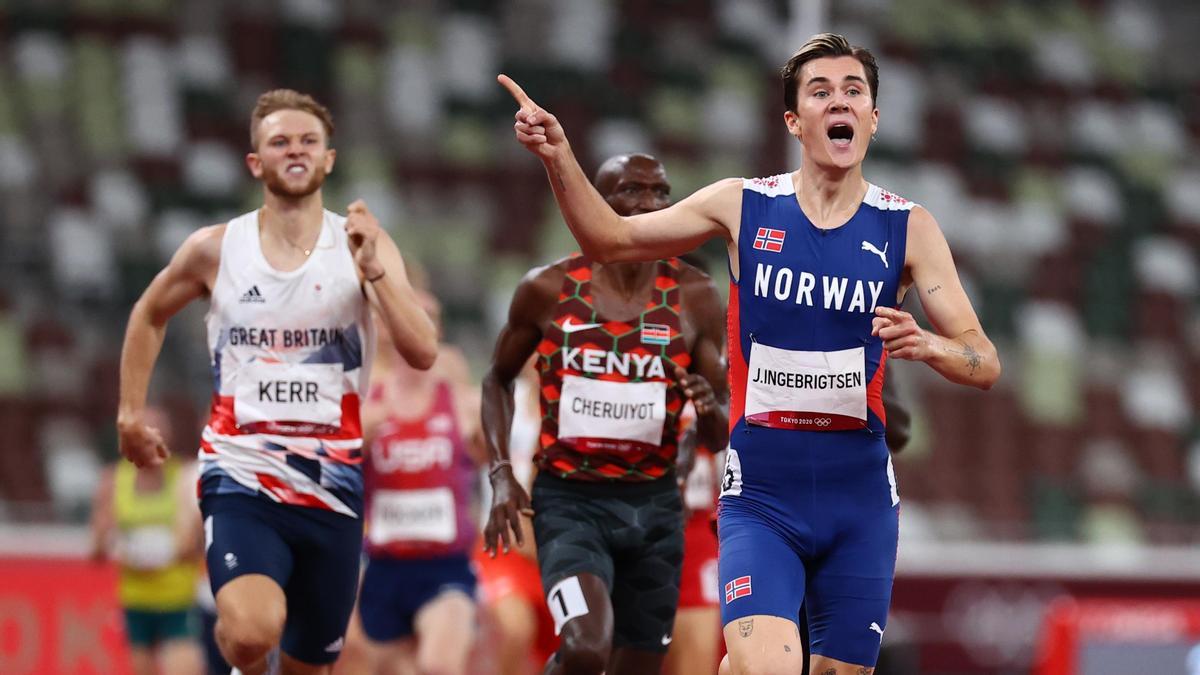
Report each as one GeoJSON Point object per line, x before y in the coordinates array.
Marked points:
{"type": "Point", "coordinates": [542, 284]}
{"type": "Point", "coordinates": [202, 248]}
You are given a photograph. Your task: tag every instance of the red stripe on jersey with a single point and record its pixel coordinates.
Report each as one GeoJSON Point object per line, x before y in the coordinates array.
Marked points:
{"type": "Point", "coordinates": [287, 495]}
{"type": "Point", "coordinates": [223, 421]}
{"type": "Point", "coordinates": [875, 391]}
{"type": "Point", "coordinates": [738, 370]}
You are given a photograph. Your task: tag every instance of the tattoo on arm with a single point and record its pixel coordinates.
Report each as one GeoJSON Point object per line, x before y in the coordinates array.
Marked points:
{"type": "Point", "coordinates": [787, 648]}
{"type": "Point", "coordinates": [972, 357]}
{"type": "Point", "coordinates": [865, 671]}
{"type": "Point", "coordinates": [746, 627]}
{"type": "Point", "coordinates": [933, 290]}
{"type": "Point", "coordinates": [831, 671]}
{"type": "Point", "coordinates": [562, 184]}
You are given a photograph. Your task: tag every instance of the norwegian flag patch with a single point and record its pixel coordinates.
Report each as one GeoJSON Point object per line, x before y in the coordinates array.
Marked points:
{"type": "Point", "coordinates": [656, 334]}
{"type": "Point", "coordinates": [738, 588]}
{"type": "Point", "coordinates": [769, 239]}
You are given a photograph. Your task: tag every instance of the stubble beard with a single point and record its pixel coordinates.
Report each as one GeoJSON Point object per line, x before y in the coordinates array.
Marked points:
{"type": "Point", "coordinates": [279, 186]}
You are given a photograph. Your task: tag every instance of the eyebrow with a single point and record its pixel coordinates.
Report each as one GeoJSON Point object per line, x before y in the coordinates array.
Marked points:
{"type": "Point", "coordinates": [825, 80]}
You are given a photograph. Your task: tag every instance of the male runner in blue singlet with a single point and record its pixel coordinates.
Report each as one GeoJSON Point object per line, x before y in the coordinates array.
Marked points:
{"type": "Point", "coordinates": [820, 261]}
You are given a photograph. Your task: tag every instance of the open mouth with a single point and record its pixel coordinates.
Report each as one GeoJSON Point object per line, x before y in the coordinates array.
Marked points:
{"type": "Point", "coordinates": [841, 135]}
{"type": "Point", "coordinates": [297, 169]}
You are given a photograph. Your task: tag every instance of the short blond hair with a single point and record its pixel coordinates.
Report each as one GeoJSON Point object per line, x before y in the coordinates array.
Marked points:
{"type": "Point", "coordinates": [288, 99]}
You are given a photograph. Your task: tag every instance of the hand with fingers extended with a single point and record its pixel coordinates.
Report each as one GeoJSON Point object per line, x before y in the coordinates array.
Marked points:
{"type": "Point", "coordinates": [509, 503]}
{"type": "Point", "coordinates": [536, 129]}
{"type": "Point", "coordinates": [139, 442]}
{"type": "Point", "coordinates": [698, 390]}
{"type": "Point", "coordinates": [363, 228]}
{"type": "Point", "coordinates": [902, 337]}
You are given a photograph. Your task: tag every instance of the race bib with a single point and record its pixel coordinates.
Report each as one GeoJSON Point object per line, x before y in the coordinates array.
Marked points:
{"type": "Point", "coordinates": [413, 515]}
{"type": "Point", "coordinates": [814, 391]}
{"type": "Point", "coordinates": [306, 393]}
{"type": "Point", "coordinates": [613, 411]}
{"type": "Point", "coordinates": [149, 547]}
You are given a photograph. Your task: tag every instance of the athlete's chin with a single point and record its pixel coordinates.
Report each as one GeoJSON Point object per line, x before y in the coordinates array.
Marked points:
{"type": "Point", "coordinates": [291, 189]}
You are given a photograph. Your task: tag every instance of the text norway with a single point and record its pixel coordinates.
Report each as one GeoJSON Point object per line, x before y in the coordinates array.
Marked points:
{"type": "Point", "coordinates": [834, 289]}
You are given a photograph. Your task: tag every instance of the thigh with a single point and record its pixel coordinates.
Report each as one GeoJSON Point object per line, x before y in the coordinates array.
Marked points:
{"type": "Point", "coordinates": [388, 601]}
{"type": "Point", "coordinates": [445, 629]}
{"type": "Point", "coordinates": [760, 571]}
{"type": "Point", "coordinates": [761, 643]}
{"type": "Point", "coordinates": [849, 592]}
{"type": "Point", "coordinates": [242, 536]}
{"type": "Point", "coordinates": [645, 589]}
{"type": "Point", "coordinates": [570, 539]}
{"type": "Point", "coordinates": [139, 628]}
{"type": "Point", "coordinates": [324, 583]}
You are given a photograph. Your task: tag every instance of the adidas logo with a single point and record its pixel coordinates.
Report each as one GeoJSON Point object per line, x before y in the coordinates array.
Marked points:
{"type": "Point", "coordinates": [252, 295]}
{"type": "Point", "coordinates": [336, 646]}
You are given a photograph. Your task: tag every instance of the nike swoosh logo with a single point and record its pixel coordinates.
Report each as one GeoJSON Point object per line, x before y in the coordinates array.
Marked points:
{"type": "Point", "coordinates": [569, 327]}
{"type": "Point", "coordinates": [666, 640]}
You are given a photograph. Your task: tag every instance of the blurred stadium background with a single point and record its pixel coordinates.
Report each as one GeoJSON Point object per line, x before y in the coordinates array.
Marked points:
{"type": "Point", "coordinates": [1055, 142]}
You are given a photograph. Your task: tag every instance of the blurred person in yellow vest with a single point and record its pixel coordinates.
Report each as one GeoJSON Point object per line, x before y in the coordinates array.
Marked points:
{"type": "Point", "coordinates": [147, 521]}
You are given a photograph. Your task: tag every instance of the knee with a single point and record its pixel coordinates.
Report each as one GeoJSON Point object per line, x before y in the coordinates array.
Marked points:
{"type": "Point", "coordinates": [245, 637]}
{"type": "Point", "coordinates": [583, 656]}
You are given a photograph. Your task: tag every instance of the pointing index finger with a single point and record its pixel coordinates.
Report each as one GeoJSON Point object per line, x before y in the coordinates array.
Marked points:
{"type": "Point", "coordinates": [517, 92]}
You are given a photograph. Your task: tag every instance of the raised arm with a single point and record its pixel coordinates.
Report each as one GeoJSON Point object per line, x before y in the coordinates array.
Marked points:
{"type": "Point", "coordinates": [518, 339]}
{"type": "Point", "coordinates": [957, 348]}
{"type": "Point", "coordinates": [604, 236]}
{"type": "Point", "coordinates": [392, 296]}
{"type": "Point", "coordinates": [190, 275]}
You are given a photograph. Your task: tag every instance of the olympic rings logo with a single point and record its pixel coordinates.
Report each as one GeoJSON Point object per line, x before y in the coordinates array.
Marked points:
{"type": "Point", "coordinates": [822, 421]}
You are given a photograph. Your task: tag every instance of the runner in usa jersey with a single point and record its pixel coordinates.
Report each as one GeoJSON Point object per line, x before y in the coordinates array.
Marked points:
{"type": "Point", "coordinates": [291, 289]}
{"type": "Point", "coordinates": [820, 261]}
{"type": "Point", "coordinates": [422, 455]}
{"type": "Point", "coordinates": [614, 346]}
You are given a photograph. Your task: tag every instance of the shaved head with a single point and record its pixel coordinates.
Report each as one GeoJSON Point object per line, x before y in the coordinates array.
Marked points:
{"type": "Point", "coordinates": [633, 183]}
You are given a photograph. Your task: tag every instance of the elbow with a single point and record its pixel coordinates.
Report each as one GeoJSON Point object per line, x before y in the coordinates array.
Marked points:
{"type": "Point", "coordinates": [424, 358]}
{"type": "Point", "coordinates": [992, 375]}
{"type": "Point", "coordinates": [599, 253]}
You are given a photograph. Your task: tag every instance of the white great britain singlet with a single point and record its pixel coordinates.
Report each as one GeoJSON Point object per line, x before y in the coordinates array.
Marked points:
{"type": "Point", "coordinates": [291, 353]}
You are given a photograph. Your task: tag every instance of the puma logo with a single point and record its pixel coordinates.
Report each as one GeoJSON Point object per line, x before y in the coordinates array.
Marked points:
{"type": "Point", "coordinates": [868, 246]}
{"type": "Point", "coordinates": [875, 626]}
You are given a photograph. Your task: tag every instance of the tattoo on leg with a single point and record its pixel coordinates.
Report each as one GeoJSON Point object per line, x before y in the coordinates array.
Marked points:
{"type": "Point", "coordinates": [973, 359]}
{"type": "Point", "coordinates": [746, 627]}
{"type": "Point", "coordinates": [865, 671]}
{"type": "Point", "coordinates": [831, 671]}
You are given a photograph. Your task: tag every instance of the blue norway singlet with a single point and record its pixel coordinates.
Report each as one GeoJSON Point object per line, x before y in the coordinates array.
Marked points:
{"type": "Point", "coordinates": [809, 507]}
{"type": "Point", "coordinates": [803, 364]}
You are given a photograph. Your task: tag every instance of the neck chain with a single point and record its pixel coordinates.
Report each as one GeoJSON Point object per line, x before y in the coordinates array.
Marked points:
{"type": "Point", "coordinates": [306, 250]}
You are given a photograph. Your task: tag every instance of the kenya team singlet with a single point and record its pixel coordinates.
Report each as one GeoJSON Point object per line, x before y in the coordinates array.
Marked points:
{"type": "Point", "coordinates": [610, 405]}
{"type": "Point", "coordinates": [290, 359]}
